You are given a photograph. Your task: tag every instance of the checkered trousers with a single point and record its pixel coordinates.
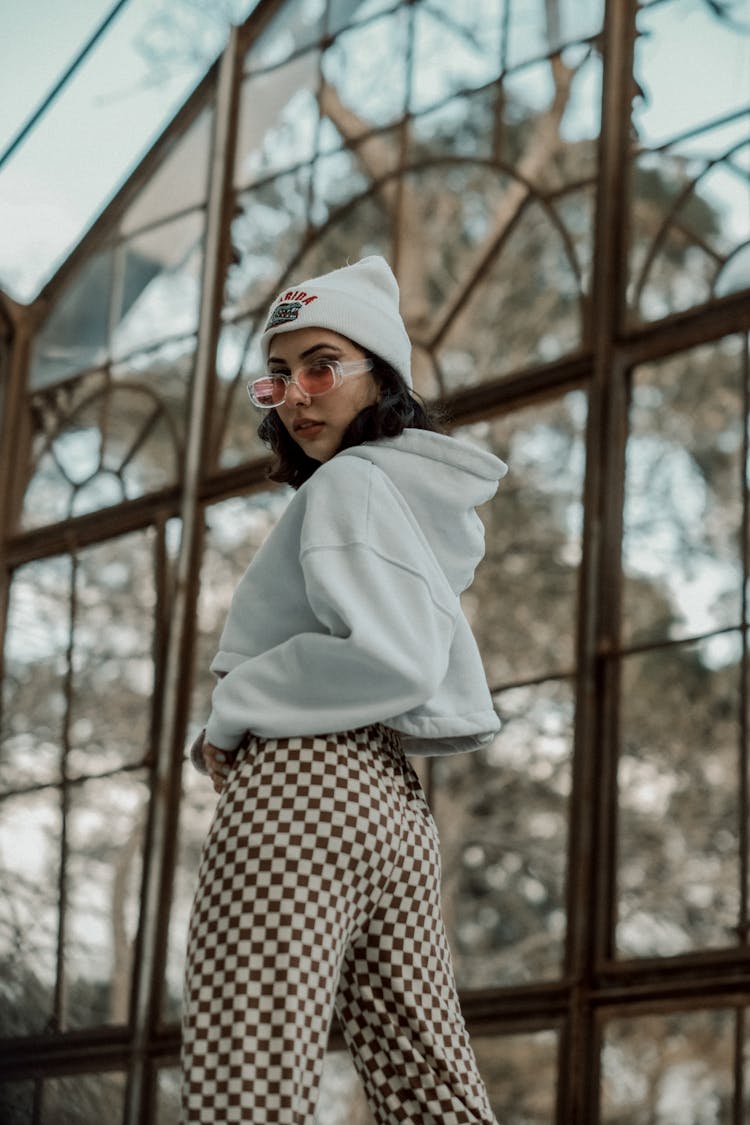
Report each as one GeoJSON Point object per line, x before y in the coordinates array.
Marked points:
{"type": "Point", "coordinates": [319, 889]}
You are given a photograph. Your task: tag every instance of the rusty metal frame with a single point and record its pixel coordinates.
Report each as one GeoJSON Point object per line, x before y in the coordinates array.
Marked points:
{"type": "Point", "coordinates": [178, 644]}
{"type": "Point", "coordinates": [594, 985]}
{"type": "Point", "coordinates": [744, 732]}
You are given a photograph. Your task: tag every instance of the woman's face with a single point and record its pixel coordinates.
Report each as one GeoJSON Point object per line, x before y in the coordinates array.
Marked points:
{"type": "Point", "coordinates": [333, 411]}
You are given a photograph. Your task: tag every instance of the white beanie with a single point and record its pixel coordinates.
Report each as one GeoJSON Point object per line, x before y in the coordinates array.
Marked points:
{"type": "Point", "coordinates": [359, 302]}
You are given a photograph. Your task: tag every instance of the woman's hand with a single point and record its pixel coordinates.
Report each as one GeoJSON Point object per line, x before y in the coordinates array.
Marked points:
{"type": "Point", "coordinates": [218, 762]}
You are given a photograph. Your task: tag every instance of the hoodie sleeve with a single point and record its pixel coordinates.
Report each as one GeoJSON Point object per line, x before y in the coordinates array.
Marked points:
{"type": "Point", "coordinates": [387, 617]}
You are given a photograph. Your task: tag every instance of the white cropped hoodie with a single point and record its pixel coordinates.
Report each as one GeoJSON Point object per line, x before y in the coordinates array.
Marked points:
{"type": "Point", "coordinates": [349, 613]}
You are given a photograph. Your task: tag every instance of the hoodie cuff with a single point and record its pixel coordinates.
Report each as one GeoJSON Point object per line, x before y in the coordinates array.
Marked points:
{"type": "Point", "coordinates": [196, 753]}
{"type": "Point", "coordinates": [218, 737]}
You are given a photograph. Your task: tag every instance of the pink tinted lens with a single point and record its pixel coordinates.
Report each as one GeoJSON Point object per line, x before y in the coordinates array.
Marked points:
{"type": "Point", "coordinates": [316, 380]}
{"type": "Point", "coordinates": [269, 392]}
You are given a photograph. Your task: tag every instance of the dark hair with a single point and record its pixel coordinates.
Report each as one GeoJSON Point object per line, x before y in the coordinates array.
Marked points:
{"type": "Point", "coordinates": [396, 410]}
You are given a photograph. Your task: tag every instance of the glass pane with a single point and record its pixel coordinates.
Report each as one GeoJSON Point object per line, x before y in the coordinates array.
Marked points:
{"type": "Point", "coordinates": [140, 447]}
{"type": "Point", "coordinates": [342, 13]}
{"type": "Point", "coordinates": [49, 493]}
{"type": "Point", "coordinates": [452, 213]}
{"type": "Point", "coordinates": [98, 127]}
{"type": "Point", "coordinates": [278, 120]}
{"type": "Point", "coordinates": [158, 284]}
{"type": "Point", "coordinates": [506, 236]}
{"type": "Point", "coordinates": [735, 273]}
{"type": "Point", "coordinates": [342, 1098]}
{"type": "Point", "coordinates": [338, 178]}
{"type": "Point", "coordinates": [520, 1072]}
{"type": "Point", "coordinates": [668, 1070]}
{"type": "Point", "coordinates": [527, 307]}
{"type": "Point", "coordinates": [365, 70]}
{"type": "Point", "coordinates": [538, 28]}
{"type": "Point", "coordinates": [683, 495]}
{"type": "Point", "coordinates": [58, 40]}
{"type": "Point", "coordinates": [17, 1103]}
{"type": "Point", "coordinates": [74, 336]}
{"type": "Point", "coordinates": [268, 230]}
{"type": "Point", "coordinates": [581, 119]}
{"type": "Point", "coordinates": [715, 41]}
{"type": "Point", "coordinates": [678, 869]}
{"type": "Point", "coordinates": [181, 181]}
{"type": "Point", "coordinates": [106, 828]}
{"type": "Point", "coordinates": [466, 40]}
{"type": "Point", "coordinates": [238, 360]}
{"type": "Point", "coordinates": [30, 840]}
{"type": "Point", "coordinates": [113, 656]}
{"type": "Point", "coordinates": [690, 224]}
{"type": "Point", "coordinates": [378, 153]}
{"type": "Point", "coordinates": [166, 370]}
{"type": "Point", "coordinates": [197, 805]}
{"type": "Point", "coordinates": [236, 529]}
{"type": "Point", "coordinates": [84, 1099]}
{"type": "Point", "coordinates": [168, 1096]}
{"type": "Point", "coordinates": [296, 25]}
{"type": "Point", "coordinates": [504, 875]}
{"type": "Point", "coordinates": [103, 443]}
{"type": "Point", "coordinates": [547, 133]}
{"type": "Point", "coordinates": [506, 121]}
{"type": "Point", "coordinates": [461, 126]}
{"type": "Point", "coordinates": [364, 228]}
{"type": "Point", "coordinates": [522, 604]}
{"type": "Point", "coordinates": [34, 692]}
{"type": "Point", "coordinates": [478, 41]}
{"type": "Point", "coordinates": [689, 212]}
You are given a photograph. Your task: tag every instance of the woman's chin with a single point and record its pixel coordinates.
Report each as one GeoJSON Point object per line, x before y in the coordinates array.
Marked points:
{"type": "Point", "coordinates": [316, 450]}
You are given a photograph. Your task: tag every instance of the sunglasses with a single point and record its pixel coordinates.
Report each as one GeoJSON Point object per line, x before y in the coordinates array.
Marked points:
{"type": "Point", "coordinates": [317, 379]}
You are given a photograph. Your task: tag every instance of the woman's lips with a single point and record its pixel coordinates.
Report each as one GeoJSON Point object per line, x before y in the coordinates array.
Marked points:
{"type": "Point", "coordinates": [309, 428]}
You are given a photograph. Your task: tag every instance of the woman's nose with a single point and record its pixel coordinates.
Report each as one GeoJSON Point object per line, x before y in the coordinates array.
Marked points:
{"type": "Point", "coordinates": [295, 394]}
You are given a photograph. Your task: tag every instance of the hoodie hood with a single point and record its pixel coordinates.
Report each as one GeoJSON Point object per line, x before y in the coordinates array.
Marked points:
{"type": "Point", "coordinates": [443, 480]}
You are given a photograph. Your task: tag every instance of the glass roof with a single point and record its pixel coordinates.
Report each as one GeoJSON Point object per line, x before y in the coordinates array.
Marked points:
{"type": "Point", "coordinates": [118, 99]}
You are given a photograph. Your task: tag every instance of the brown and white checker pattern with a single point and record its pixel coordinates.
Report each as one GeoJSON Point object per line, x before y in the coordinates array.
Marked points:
{"type": "Point", "coordinates": [319, 887]}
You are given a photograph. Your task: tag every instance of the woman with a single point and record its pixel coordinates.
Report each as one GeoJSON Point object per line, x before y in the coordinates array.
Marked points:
{"type": "Point", "coordinates": [345, 650]}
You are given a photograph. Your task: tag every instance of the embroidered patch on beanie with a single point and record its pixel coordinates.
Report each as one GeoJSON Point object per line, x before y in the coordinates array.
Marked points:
{"type": "Point", "coordinates": [289, 308]}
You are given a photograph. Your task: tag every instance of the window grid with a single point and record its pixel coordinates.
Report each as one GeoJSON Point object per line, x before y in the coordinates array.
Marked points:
{"type": "Point", "coordinates": [595, 988]}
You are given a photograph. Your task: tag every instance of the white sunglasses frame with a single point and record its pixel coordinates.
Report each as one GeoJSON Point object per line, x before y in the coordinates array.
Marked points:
{"type": "Point", "coordinates": [342, 369]}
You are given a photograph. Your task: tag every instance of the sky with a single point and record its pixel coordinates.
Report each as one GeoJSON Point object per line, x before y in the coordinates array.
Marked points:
{"type": "Point", "coordinates": [100, 126]}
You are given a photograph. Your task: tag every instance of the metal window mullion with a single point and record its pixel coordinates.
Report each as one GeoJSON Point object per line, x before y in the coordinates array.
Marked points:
{"type": "Point", "coordinates": [404, 135]}
{"type": "Point", "coordinates": [176, 679]}
{"type": "Point", "coordinates": [60, 996]}
{"type": "Point", "coordinates": [159, 649]}
{"type": "Point", "coordinates": [16, 430]}
{"type": "Point", "coordinates": [36, 1112]}
{"type": "Point", "coordinates": [594, 760]}
{"type": "Point", "coordinates": [314, 163]}
{"type": "Point", "coordinates": [744, 764]}
{"type": "Point", "coordinates": [116, 297]}
{"type": "Point", "coordinates": [7, 430]}
{"type": "Point", "coordinates": [604, 486]}
{"type": "Point", "coordinates": [739, 1116]}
